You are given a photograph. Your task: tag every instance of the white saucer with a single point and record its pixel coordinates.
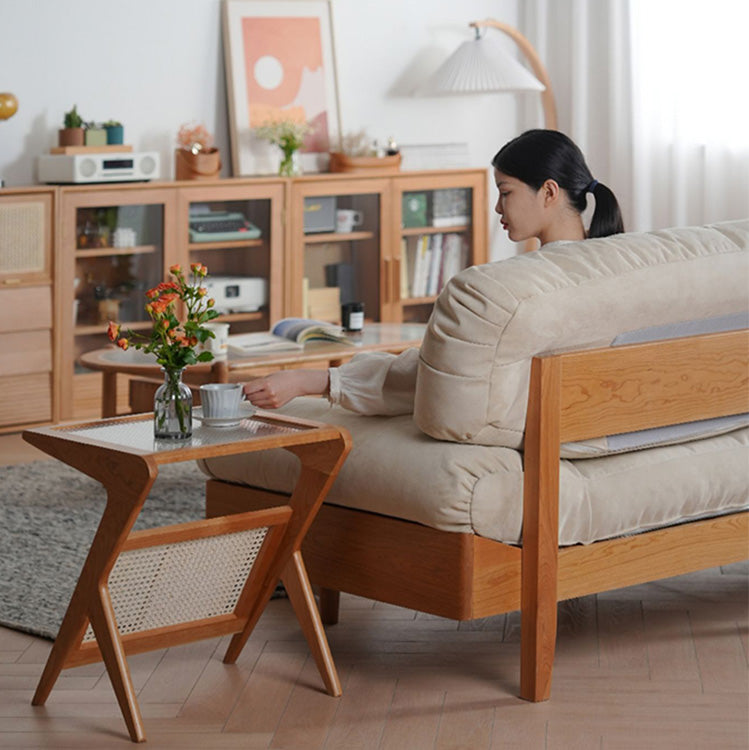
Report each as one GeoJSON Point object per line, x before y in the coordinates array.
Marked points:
{"type": "Point", "coordinates": [247, 410]}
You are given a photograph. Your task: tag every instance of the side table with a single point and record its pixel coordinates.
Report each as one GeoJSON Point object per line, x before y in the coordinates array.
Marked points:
{"type": "Point", "coordinates": [144, 590]}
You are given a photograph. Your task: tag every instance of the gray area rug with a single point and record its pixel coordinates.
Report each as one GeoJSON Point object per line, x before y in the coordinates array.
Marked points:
{"type": "Point", "coordinates": [48, 516]}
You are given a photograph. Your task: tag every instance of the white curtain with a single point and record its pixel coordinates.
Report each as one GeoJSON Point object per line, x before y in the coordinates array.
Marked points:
{"type": "Point", "coordinates": [651, 92]}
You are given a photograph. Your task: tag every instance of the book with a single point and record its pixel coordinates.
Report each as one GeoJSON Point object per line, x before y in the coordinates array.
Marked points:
{"type": "Point", "coordinates": [421, 267]}
{"type": "Point", "coordinates": [434, 275]}
{"type": "Point", "coordinates": [288, 334]}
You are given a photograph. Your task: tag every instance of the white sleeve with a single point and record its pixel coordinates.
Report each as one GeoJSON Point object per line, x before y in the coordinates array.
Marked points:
{"type": "Point", "coordinates": [376, 383]}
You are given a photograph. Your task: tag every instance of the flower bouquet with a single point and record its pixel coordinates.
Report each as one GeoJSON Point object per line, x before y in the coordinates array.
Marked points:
{"type": "Point", "coordinates": [289, 136]}
{"type": "Point", "coordinates": [174, 343]}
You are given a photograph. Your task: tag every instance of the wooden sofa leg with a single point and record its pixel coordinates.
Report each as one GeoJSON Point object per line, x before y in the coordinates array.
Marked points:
{"type": "Point", "coordinates": [538, 635]}
{"type": "Point", "coordinates": [329, 605]}
{"type": "Point", "coordinates": [539, 562]}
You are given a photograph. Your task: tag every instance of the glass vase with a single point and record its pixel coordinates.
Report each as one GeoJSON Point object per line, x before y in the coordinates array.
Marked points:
{"type": "Point", "coordinates": [291, 165]}
{"type": "Point", "coordinates": [172, 408]}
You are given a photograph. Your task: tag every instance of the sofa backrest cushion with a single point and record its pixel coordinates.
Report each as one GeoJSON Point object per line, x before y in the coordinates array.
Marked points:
{"type": "Point", "coordinates": [491, 320]}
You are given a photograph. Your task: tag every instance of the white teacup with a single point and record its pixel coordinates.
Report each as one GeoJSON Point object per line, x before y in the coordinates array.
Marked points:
{"type": "Point", "coordinates": [346, 219]}
{"type": "Point", "coordinates": [218, 346]}
{"type": "Point", "coordinates": [221, 400]}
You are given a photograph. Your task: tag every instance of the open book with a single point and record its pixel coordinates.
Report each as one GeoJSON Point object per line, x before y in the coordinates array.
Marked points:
{"type": "Point", "coordinates": [288, 334]}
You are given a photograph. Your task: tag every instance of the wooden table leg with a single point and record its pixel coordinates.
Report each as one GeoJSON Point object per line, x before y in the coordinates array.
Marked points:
{"type": "Point", "coordinates": [128, 481]}
{"type": "Point", "coordinates": [108, 394]}
{"type": "Point", "coordinates": [297, 585]}
{"type": "Point", "coordinates": [320, 465]}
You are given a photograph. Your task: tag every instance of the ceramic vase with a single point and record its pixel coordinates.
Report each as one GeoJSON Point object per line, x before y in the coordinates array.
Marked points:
{"type": "Point", "coordinates": [172, 408]}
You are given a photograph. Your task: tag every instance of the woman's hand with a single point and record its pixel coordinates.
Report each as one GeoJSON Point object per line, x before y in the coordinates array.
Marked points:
{"type": "Point", "coordinates": [278, 388]}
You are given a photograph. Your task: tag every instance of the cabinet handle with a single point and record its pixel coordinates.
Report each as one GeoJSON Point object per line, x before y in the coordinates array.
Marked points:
{"type": "Point", "coordinates": [396, 279]}
{"type": "Point", "coordinates": [388, 291]}
{"type": "Point", "coordinates": [11, 282]}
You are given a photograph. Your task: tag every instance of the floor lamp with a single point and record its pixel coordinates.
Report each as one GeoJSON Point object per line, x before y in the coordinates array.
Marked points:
{"type": "Point", "coordinates": [482, 66]}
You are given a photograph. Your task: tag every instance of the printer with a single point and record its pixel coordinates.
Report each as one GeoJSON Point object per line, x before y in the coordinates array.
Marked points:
{"type": "Point", "coordinates": [237, 293]}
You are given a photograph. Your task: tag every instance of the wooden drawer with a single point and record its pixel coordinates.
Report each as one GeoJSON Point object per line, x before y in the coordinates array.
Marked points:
{"type": "Point", "coordinates": [25, 399]}
{"type": "Point", "coordinates": [25, 352]}
{"type": "Point", "coordinates": [26, 308]}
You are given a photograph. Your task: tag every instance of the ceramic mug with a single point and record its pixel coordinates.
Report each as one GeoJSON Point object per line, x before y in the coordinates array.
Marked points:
{"type": "Point", "coordinates": [218, 346]}
{"type": "Point", "coordinates": [221, 400]}
{"type": "Point", "coordinates": [346, 219]}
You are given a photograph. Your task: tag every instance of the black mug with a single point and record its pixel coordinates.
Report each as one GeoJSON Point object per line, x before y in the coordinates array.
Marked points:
{"type": "Point", "coordinates": [352, 316]}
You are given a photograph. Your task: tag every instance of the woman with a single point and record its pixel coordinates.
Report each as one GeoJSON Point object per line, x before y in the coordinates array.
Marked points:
{"type": "Point", "coordinates": [543, 183]}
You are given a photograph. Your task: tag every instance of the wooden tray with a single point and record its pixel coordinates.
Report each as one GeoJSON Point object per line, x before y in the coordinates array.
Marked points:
{"type": "Point", "coordinates": [115, 149]}
{"type": "Point", "coordinates": [364, 164]}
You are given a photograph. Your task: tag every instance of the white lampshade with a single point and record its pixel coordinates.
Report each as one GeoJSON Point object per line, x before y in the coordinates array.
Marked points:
{"type": "Point", "coordinates": [480, 65]}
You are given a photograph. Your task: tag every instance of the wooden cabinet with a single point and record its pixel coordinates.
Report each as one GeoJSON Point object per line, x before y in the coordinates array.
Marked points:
{"type": "Point", "coordinates": [74, 257]}
{"type": "Point", "coordinates": [411, 232]}
{"type": "Point", "coordinates": [28, 393]}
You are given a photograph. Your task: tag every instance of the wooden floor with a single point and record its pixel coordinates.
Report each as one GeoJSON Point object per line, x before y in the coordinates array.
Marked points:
{"type": "Point", "coordinates": [662, 665]}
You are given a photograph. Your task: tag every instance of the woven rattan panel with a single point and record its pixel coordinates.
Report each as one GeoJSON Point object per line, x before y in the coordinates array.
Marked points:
{"type": "Point", "coordinates": [22, 238]}
{"type": "Point", "coordinates": [169, 584]}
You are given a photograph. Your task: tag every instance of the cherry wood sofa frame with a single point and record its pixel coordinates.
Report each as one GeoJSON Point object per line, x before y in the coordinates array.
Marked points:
{"type": "Point", "coordinates": [573, 396]}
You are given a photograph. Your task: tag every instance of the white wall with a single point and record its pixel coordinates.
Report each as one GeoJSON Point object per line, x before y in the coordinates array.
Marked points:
{"type": "Point", "coordinates": [156, 64]}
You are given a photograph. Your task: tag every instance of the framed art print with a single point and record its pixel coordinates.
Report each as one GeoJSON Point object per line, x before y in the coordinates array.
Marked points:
{"type": "Point", "coordinates": [280, 65]}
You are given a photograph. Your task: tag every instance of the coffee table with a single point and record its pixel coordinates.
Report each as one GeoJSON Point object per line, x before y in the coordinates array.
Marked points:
{"type": "Point", "coordinates": [111, 361]}
{"type": "Point", "coordinates": [150, 589]}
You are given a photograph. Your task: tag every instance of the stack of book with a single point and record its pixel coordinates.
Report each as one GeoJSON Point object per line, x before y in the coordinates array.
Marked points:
{"type": "Point", "coordinates": [430, 260]}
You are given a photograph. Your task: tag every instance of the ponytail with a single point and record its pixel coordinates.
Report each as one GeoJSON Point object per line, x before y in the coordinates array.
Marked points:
{"type": "Point", "coordinates": [607, 217]}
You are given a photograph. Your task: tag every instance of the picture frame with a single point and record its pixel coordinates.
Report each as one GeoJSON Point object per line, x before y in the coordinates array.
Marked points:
{"type": "Point", "coordinates": [280, 61]}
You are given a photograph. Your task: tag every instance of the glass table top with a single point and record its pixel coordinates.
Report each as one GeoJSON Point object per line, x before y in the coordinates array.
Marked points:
{"type": "Point", "coordinates": [138, 434]}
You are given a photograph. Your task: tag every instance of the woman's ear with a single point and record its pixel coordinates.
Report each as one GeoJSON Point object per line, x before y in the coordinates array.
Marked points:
{"type": "Point", "coordinates": [551, 191]}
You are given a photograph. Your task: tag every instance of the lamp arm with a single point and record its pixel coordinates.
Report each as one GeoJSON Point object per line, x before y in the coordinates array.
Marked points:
{"type": "Point", "coordinates": [547, 96]}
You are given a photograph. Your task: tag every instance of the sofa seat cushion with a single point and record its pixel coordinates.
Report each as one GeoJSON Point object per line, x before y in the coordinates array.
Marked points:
{"type": "Point", "coordinates": [395, 470]}
{"type": "Point", "coordinates": [491, 320]}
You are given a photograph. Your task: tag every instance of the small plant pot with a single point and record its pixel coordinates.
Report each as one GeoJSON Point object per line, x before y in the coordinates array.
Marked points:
{"type": "Point", "coordinates": [96, 137]}
{"type": "Point", "coordinates": [71, 137]}
{"type": "Point", "coordinates": [205, 165]}
{"type": "Point", "coordinates": [115, 135]}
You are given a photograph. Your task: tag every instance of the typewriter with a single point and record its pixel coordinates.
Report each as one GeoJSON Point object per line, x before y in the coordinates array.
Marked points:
{"type": "Point", "coordinates": [217, 226]}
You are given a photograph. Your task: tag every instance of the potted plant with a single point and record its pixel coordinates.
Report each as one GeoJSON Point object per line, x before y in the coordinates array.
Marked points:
{"type": "Point", "coordinates": [72, 133]}
{"type": "Point", "coordinates": [115, 132]}
{"type": "Point", "coordinates": [196, 158]}
{"type": "Point", "coordinates": [95, 135]}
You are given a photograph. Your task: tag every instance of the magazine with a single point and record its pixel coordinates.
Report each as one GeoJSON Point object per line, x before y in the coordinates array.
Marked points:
{"type": "Point", "coordinates": [288, 334]}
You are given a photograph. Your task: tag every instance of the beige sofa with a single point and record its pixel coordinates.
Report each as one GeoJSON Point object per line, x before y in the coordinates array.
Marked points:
{"type": "Point", "coordinates": [579, 425]}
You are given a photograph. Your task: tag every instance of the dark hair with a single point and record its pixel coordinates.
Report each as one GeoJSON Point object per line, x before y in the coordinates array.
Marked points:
{"type": "Point", "coordinates": [540, 155]}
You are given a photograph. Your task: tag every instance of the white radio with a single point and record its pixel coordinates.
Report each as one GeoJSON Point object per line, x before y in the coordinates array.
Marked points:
{"type": "Point", "coordinates": [237, 293]}
{"type": "Point", "coordinates": [103, 167]}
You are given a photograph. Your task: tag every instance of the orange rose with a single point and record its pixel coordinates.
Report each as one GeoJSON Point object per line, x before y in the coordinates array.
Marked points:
{"type": "Point", "coordinates": [113, 331]}
{"type": "Point", "coordinates": [123, 344]}
{"type": "Point", "coordinates": [175, 269]}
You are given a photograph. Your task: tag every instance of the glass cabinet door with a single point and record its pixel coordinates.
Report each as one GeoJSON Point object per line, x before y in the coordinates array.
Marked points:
{"type": "Point", "coordinates": [119, 254]}
{"type": "Point", "coordinates": [235, 232]}
{"type": "Point", "coordinates": [115, 244]}
{"type": "Point", "coordinates": [336, 249]}
{"type": "Point", "coordinates": [442, 231]}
